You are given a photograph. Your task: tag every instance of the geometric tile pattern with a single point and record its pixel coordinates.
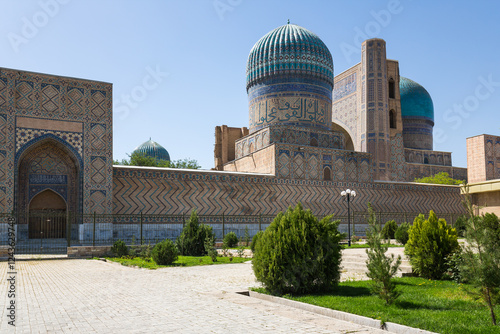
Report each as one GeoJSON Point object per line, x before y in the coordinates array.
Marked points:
{"type": "Point", "coordinates": [288, 135]}
{"type": "Point", "coordinates": [24, 95]}
{"type": "Point", "coordinates": [3, 91]}
{"type": "Point", "coordinates": [398, 163]}
{"type": "Point", "coordinates": [50, 98]}
{"type": "Point", "coordinates": [99, 170]}
{"type": "Point", "coordinates": [60, 102]}
{"type": "Point", "coordinates": [177, 192]}
{"type": "Point", "coordinates": [25, 135]}
{"type": "Point", "coordinates": [310, 162]}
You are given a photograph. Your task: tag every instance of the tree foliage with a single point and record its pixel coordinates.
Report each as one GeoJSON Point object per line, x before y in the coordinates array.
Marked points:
{"type": "Point", "coordinates": [429, 244]}
{"type": "Point", "coordinates": [192, 239]}
{"type": "Point", "coordinates": [140, 159]}
{"type": "Point", "coordinates": [440, 178]}
{"type": "Point", "coordinates": [389, 229]}
{"type": "Point", "coordinates": [298, 253]}
{"type": "Point", "coordinates": [230, 240]}
{"type": "Point", "coordinates": [401, 234]}
{"type": "Point", "coordinates": [165, 252]}
{"type": "Point", "coordinates": [480, 264]}
{"type": "Point", "coordinates": [381, 268]}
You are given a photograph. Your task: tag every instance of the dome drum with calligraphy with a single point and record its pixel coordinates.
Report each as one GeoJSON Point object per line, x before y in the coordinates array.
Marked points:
{"type": "Point", "coordinates": [290, 80]}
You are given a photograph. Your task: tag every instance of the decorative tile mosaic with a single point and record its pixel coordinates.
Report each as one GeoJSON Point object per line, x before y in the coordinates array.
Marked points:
{"type": "Point", "coordinates": [24, 135]}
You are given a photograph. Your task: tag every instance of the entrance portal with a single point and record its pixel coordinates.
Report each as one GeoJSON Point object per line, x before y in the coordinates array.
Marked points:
{"type": "Point", "coordinates": [47, 216]}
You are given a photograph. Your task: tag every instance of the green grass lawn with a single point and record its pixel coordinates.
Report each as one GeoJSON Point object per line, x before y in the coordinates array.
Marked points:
{"type": "Point", "coordinates": [183, 261]}
{"type": "Point", "coordinates": [437, 306]}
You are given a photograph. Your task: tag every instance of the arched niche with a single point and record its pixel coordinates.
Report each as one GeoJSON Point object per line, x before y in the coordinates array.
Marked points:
{"type": "Point", "coordinates": [48, 164]}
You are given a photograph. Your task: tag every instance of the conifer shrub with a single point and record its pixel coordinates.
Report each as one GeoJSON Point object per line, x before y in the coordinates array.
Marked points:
{"type": "Point", "coordinates": [401, 234]}
{"type": "Point", "coordinates": [165, 252]}
{"type": "Point", "coordinates": [210, 248]}
{"type": "Point", "coordinates": [389, 229]}
{"type": "Point", "coordinates": [255, 239]}
{"type": "Point", "coordinates": [381, 267]}
{"type": "Point", "coordinates": [246, 237]}
{"type": "Point", "coordinates": [430, 242]}
{"type": "Point", "coordinates": [191, 242]}
{"type": "Point", "coordinates": [119, 248]}
{"type": "Point", "coordinates": [298, 253]}
{"type": "Point", "coordinates": [230, 240]}
{"type": "Point", "coordinates": [480, 265]}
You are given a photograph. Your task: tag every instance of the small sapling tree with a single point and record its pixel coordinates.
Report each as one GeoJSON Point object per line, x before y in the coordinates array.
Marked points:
{"type": "Point", "coordinates": [381, 268]}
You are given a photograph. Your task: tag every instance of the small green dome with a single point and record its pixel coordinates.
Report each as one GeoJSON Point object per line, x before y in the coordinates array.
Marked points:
{"type": "Point", "coordinates": [290, 50]}
{"type": "Point", "coordinates": [415, 100]}
{"type": "Point", "coordinates": [153, 149]}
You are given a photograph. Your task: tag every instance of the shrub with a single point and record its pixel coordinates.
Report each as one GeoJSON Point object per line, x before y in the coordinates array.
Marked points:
{"type": "Point", "coordinates": [355, 239]}
{"type": "Point", "coordinates": [455, 261]}
{"type": "Point", "coordinates": [255, 239]}
{"type": "Point", "coordinates": [430, 242]}
{"type": "Point", "coordinates": [389, 229]}
{"type": "Point", "coordinates": [241, 251]}
{"type": "Point", "coordinates": [145, 251]}
{"type": "Point", "coordinates": [192, 239]}
{"type": "Point", "coordinates": [461, 225]}
{"type": "Point", "coordinates": [210, 247]}
{"type": "Point", "coordinates": [246, 237]}
{"type": "Point", "coordinates": [165, 252]}
{"type": "Point", "coordinates": [119, 248]}
{"type": "Point", "coordinates": [230, 240]}
{"type": "Point", "coordinates": [298, 254]}
{"type": "Point", "coordinates": [401, 234]}
{"type": "Point", "coordinates": [381, 268]}
{"type": "Point", "coordinates": [480, 265]}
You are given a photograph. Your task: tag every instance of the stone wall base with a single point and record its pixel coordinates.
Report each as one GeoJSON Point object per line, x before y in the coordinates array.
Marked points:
{"type": "Point", "coordinates": [89, 251]}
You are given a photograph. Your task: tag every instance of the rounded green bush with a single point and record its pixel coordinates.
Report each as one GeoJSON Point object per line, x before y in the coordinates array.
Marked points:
{"type": "Point", "coordinates": [401, 234]}
{"type": "Point", "coordinates": [119, 248]}
{"type": "Point", "coordinates": [165, 252]}
{"type": "Point", "coordinates": [298, 254]}
{"type": "Point", "coordinates": [430, 242]}
{"type": "Point", "coordinates": [389, 229]}
{"type": "Point", "coordinates": [230, 240]}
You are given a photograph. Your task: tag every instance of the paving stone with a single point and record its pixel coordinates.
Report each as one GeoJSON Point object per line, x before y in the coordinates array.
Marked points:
{"type": "Point", "coordinates": [90, 296]}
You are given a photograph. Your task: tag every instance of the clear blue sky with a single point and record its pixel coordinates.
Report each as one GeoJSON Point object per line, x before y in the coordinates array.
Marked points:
{"type": "Point", "coordinates": [198, 52]}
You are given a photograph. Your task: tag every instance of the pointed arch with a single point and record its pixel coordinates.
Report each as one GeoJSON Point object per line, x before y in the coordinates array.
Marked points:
{"type": "Point", "coordinates": [47, 163]}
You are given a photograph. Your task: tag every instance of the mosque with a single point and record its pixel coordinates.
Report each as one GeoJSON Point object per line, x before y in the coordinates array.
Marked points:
{"type": "Point", "coordinates": [310, 135]}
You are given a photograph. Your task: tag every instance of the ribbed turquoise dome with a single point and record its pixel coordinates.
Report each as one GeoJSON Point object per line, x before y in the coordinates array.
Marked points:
{"type": "Point", "coordinates": [415, 100]}
{"type": "Point", "coordinates": [289, 50]}
{"type": "Point", "coordinates": [154, 150]}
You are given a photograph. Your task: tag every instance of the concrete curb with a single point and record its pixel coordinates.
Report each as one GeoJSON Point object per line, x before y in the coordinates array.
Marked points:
{"type": "Point", "coordinates": [357, 319]}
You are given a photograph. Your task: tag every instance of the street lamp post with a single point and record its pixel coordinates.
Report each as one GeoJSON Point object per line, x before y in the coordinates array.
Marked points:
{"type": "Point", "coordinates": [348, 194]}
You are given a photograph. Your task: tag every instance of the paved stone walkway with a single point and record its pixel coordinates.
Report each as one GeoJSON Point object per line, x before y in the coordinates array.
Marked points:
{"type": "Point", "coordinates": [90, 296]}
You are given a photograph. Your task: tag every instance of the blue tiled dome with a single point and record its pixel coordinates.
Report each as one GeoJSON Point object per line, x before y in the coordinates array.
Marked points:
{"type": "Point", "coordinates": [290, 50]}
{"type": "Point", "coordinates": [154, 150]}
{"type": "Point", "coordinates": [415, 100]}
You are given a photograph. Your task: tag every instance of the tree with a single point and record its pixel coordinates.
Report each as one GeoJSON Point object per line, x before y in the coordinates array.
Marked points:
{"type": "Point", "coordinates": [440, 178]}
{"type": "Point", "coordinates": [381, 268]}
{"type": "Point", "coordinates": [480, 265]}
{"type": "Point", "coordinates": [389, 229]}
{"type": "Point", "coordinates": [193, 237]}
{"type": "Point", "coordinates": [430, 242]}
{"type": "Point", "coordinates": [298, 253]}
{"type": "Point", "coordinates": [140, 159]}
